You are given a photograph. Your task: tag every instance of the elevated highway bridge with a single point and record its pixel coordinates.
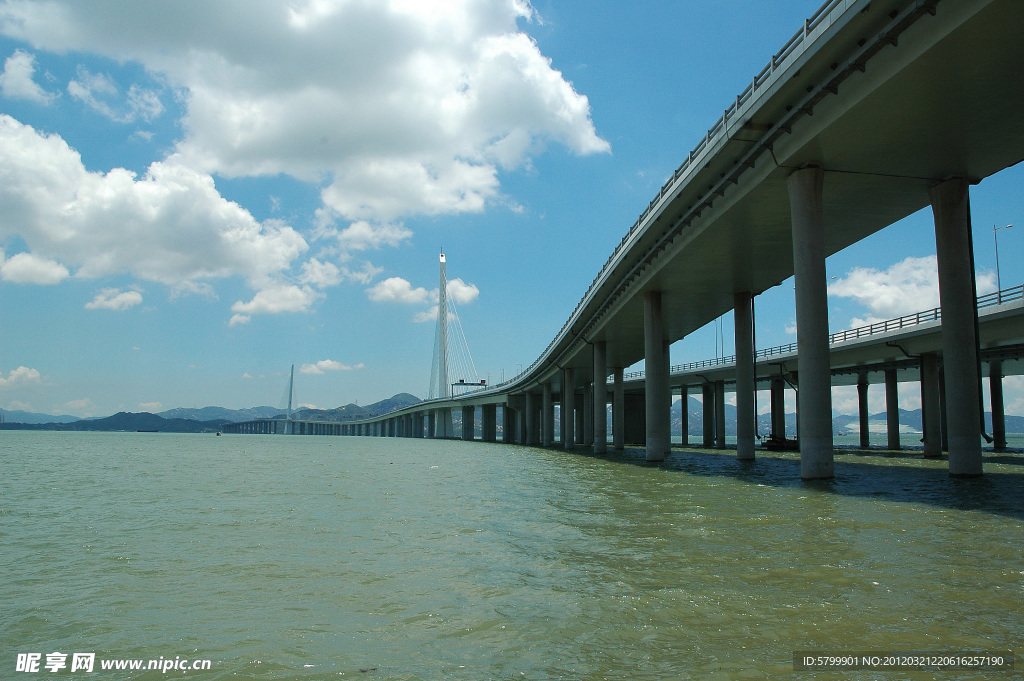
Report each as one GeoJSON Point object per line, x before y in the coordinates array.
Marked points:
{"type": "Point", "coordinates": [874, 110]}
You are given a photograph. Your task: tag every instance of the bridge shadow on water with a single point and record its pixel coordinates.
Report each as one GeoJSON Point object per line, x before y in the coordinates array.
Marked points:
{"type": "Point", "coordinates": [902, 476]}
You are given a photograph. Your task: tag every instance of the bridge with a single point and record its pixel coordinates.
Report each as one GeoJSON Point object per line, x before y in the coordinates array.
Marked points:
{"type": "Point", "coordinates": [872, 111]}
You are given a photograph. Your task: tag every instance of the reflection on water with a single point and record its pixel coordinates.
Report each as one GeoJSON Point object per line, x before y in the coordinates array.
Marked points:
{"type": "Point", "coordinates": [310, 558]}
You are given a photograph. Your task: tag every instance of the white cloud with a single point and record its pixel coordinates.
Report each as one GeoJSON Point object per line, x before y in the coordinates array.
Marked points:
{"type": "Point", "coordinates": [909, 286]}
{"type": "Point", "coordinates": [397, 290]}
{"type": "Point", "coordinates": [277, 298]}
{"type": "Point", "coordinates": [404, 107]}
{"type": "Point", "coordinates": [114, 299]}
{"type": "Point", "coordinates": [461, 292]}
{"type": "Point", "coordinates": [169, 226]}
{"type": "Point", "coordinates": [27, 268]}
{"type": "Point", "coordinates": [427, 315]}
{"type": "Point", "coordinates": [88, 89]}
{"type": "Point", "coordinates": [239, 319]}
{"type": "Point", "coordinates": [20, 376]}
{"type": "Point", "coordinates": [144, 104]}
{"type": "Point", "coordinates": [326, 365]}
{"type": "Point", "coordinates": [16, 81]}
{"type": "Point", "coordinates": [320, 274]}
{"type": "Point", "coordinates": [152, 407]}
{"type": "Point", "coordinates": [83, 407]}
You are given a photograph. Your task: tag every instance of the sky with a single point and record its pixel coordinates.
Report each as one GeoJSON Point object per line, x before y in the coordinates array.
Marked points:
{"type": "Point", "coordinates": [196, 196]}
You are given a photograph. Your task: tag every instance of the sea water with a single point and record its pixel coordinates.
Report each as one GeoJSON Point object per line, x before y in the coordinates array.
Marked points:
{"type": "Point", "coordinates": [278, 557]}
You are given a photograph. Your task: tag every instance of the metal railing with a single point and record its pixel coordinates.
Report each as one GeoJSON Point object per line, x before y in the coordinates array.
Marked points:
{"type": "Point", "coordinates": [1007, 295]}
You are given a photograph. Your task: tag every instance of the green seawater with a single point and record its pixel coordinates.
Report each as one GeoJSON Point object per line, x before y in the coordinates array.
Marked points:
{"type": "Point", "coordinates": [317, 557]}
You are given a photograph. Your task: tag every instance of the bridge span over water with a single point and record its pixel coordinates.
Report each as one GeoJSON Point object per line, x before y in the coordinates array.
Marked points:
{"type": "Point", "coordinates": [874, 110]}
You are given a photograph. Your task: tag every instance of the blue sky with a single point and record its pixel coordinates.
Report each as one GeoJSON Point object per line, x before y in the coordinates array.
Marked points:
{"type": "Point", "coordinates": [197, 195]}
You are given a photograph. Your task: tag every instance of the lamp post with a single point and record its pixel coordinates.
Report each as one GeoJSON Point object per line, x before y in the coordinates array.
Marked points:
{"type": "Point", "coordinates": [999, 282]}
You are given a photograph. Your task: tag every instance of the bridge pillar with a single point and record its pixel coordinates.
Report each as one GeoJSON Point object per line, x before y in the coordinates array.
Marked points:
{"type": "Point", "coordinates": [930, 405]}
{"type": "Point", "coordinates": [531, 419]}
{"type": "Point", "coordinates": [489, 423]}
{"type": "Point", "coordinates": [719, 414]}
{"type": "Point", "coordinates": [432, 424]}
{"type": "Point", "coordinates": [568, 408]}
{"type": "Point", "coordinates": [862, 410]}
{"type": "Point", "coordinates": [684, 416]}
{"type": "Point", "coordinates": [547, 416]}
{"type": "Point", "coordinates": [942, 407]}
{"type": "Point", "coordinates": [744, 331]}
{"type": "Point", "coordinates": [707, 390]}
{"type": "Point", "coordinates": [588, 413]}
{"type": "Point", "coordinates": [815, 395]}
{"type": "Point", "coordinates": [892, 409]}
{"type": "Point", "coordinates": [995, 384]}
{"type": "Point", "coordinates": [778, 407]}
{"type": "Point", "coordinates": [658, 399]}
{"type": "Point", "coordinates": [508, 420]}
{"type": "Point", "coordinates": [468, 423]}
{"type": "Point", "coordinates": [600, 411]}
{"type": "Point", "coordinates": [618, 411]}
{"type": "Point", "coordinates": [958, 292]}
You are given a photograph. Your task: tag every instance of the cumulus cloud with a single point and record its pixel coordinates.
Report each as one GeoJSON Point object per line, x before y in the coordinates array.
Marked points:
{"type": "Point", "coordinates": [20, 376]}
{"type": "Point", "coordinates": [114, 299]}
{"type": "Point", "coordinates": [99, 92]}
{"type": "Point", "coordinates": [461, 292]}
{"type": "Point", "coordinates": [326, 365]}
{"type": "Point", "coordinates": [280, 298]}
{"type": "Point", "coordinates": [404, 107]}
{"type": "Point", "coordinates": [170, 226]}
{"type": "Point", "coordinates": [17, 79]}
{"type": "Point", "coordinates": [27, 268]}
{"type": "Point", "coordinates": [909, 286]}
{"type": "Point", "coordinates": [397, 290]}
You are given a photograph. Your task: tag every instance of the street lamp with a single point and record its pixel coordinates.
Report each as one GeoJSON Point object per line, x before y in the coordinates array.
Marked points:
{"type": "Point", "coordinates": [999, 282]}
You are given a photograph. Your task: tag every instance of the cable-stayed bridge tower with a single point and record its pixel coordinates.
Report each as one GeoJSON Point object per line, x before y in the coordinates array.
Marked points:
{"type": "Point", "coordinates": [452, 359]}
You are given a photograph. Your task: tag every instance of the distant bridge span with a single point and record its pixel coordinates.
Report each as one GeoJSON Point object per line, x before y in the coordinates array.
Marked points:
{"type": "Point", "coordinates": [872, 111]}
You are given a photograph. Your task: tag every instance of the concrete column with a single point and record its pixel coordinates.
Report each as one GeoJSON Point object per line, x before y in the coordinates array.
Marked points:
{"type": "Point", "coordinates": [745, 425]}
{"type": "Point", "coordinates": [618, 410]}
{"type": "Point", "coordinates": [531, 419]}
{"type": "Point", "coordinates": [892, 409]}
{"type": "Point", "coordinates": [588, 413]}
{"type": "Point", "coordinates": [815, 394]}
{"type": "Point", "coordinates": [548, 416]}
{"type": "Point", "coordinates": [862, 410]}
{"type": "Point", "coordinates": [508, 420]}
{"type": "Point", "coordinates": [468, 423]}
{"type": "Point", "coordinates": [778, 407]}
{"type": "Point", "coordinates": [942, 408]}
{"type": "Point", "coordinates": [995, 383]}
{"type": "Point", "coordinates": [432, 424]}
{"type": "Point", "coordinates": [600, 418]}
{"type": "Point", "coordinates": [957, 293]}
{"type": "Point", "coordinates": [930, 405]}
{"type": "Point", "coordinates": [719, 414]}
{"type": "Point", "coordinates": [708, 413]}
{"type": "Point", "coordinates": [684, 417]}
{"type": "Point", "coordinates": [489, 415]}
{"type": "Point", "coordinates": [568, 408]}
{"type": "Point", "coordinates": [658, 399]}
{"type": "Point", "coordinates": [578, 423]}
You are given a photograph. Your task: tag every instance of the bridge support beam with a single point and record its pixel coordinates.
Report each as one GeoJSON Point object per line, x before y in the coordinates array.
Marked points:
{"type": "Point", "coordinates": [744, 331]}
{"type": "Point", "coordinates": [862, 410]}
{"type": "Point", "coordinates": [805, 188]}
{"type": "Point", "coordinates": [600, 417]}
{"type": "Point", "coordinates": [708, 413]}
{"type": "Point", "coordinates": [719, 414]}
{"type": "Point", "coordinates": [568, 410]}
{"type": "Point", "coordinates": [995, 384]}
{"type": "Point", "coordinates": [508, 427]}
{"type": "Point", "coordinates": [432, 424]}
{"type": "Point", "coordinates": [930, 405]}
{"type": "Point", "coordinates": [531, 419]}
{"type": "Point", "coordinates": [468, 423]}
{"type": "Point", "coordinates": [684, 416]}
{"type": "Point", "coordinates": [656, 367]}
{"type": "Point", "coordinates": [588, 413]}
{"type": "Point", "coordinates": [618, 411]}
{"type": "Point", "coordinates": [957, 292]}
{"type": "Point", "coordinates": [547, 416]}
{"type": "Point", "coordinates": [892, 409]}
{"type": "Point", "coordinates": [489, 423]}
{"type": "Point", "coordinates": [778, 407]}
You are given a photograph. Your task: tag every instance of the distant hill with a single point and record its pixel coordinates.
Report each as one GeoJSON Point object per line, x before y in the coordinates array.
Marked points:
{"type": "Point", "coordinates": [31, 417]}
{"type": "Point", "coordinates": [215, 413]}
{"type": "Point", "coordinates": [125, 421]}
{"type": "Point", "coordinates": [354, 411]}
